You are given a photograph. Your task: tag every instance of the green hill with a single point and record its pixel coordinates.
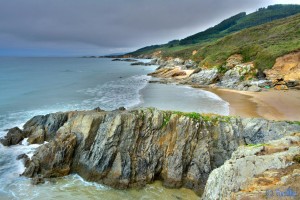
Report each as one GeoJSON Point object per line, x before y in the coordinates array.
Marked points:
{"type": "Point", "coordinates": [262, 43]}
{"type": "Point", "coordinates": [242, 21]}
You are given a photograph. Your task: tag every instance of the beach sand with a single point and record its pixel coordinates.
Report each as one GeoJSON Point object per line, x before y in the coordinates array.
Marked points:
{"type": "Point", "coordinates": [272, 104]}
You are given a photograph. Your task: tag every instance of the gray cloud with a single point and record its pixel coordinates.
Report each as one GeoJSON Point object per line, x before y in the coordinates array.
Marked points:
{"type": "Point", "coordinates": [98, 26]}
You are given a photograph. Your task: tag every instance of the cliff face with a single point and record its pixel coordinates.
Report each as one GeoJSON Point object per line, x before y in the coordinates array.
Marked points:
{"type": "Point", "coordinates": [132, 148]}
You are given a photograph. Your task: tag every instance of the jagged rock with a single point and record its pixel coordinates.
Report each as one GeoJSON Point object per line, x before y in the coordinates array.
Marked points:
{"type": "Point", "coordinates": [254, 170]}
{"type": "Point", "coordinates": [135, 147]}
{"type": "Point", "coordinates": [48, 123]}
{"type": "Point", "coordinates": [13, 137]}
{"type": "Point", "coordinates": [38, 137]}
{"type": "Point", "coordinates": [25, 158]}
{"type": "Point", "coordinates": [204, 77]}
{"type": "Point", "coordinates": [233, 77]}
{"type": "Point", "coordinates": [53, 159]}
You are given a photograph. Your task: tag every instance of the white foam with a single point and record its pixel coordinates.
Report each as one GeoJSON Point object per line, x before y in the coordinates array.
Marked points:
{"type": "Point", "coordinates": [114, 94]}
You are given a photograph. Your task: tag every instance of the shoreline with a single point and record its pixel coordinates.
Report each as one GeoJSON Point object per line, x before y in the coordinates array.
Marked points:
{"type": "Point", "coordinates": [271, 105]}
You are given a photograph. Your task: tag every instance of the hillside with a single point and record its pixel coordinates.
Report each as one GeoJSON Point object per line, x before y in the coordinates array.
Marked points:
{"type": "Point", "coordinates": [261, 44]}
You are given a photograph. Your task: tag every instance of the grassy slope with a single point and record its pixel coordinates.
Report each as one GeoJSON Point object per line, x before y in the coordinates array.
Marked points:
{"type": "Point", "coordinates": [261, 44]}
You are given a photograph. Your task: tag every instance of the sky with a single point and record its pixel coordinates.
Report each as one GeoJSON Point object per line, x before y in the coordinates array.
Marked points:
{"type": "Point", "coordinates": [101, 27]}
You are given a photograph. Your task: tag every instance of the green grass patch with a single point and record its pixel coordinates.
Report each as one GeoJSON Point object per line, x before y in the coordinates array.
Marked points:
{"type": "Point", "coordinates": [257, 145]}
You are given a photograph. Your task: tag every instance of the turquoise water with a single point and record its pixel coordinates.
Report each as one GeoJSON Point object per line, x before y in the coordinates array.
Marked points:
{"type": "Point", "coordinates": [34, 86]}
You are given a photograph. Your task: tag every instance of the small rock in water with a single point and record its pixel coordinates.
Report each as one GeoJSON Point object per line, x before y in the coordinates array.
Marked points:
{"type": "Point", "coordinates": [25, 159]}
{"type": "Point", "coordinates": [37, 180]}
{"type": "Point", "coordinates": [122, 108]}
{"type": "Point", "coordinates": [13, 137]}
{"type": "Point", "coordinates": [98, 109]}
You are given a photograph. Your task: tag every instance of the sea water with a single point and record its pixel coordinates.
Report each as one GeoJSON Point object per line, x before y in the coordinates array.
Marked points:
{"type": "Point", "coordinates": [35, 86]}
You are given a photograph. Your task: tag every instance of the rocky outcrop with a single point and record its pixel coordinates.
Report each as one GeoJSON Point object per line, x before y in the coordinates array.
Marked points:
{"type": "Point", "coordinates": [142, 63]}
{"type": "Point", "coordinates": [234, 60]}
{"type": "Point", "coordinates": [286, 71]}
{"type": "Point", "coordinates": [132, 148]}
{"type": "Point", "coordinates": [170, 73]}
{"type": "Point", "coordinates": [204, 77]}
{"type": "Point", "coordinates": [270, 170]}
{"type": "Point", "coordinates": [43, 127]}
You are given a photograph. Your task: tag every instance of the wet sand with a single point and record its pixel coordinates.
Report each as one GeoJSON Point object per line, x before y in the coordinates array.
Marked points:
{"type": "Point", "coordinates": [272, 104]}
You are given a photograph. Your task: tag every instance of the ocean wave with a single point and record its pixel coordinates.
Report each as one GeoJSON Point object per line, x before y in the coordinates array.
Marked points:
{"type": "Point", "coordinates": [114, 94]}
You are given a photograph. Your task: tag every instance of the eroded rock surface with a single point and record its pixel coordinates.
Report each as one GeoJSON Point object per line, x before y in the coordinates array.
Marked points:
{"type": "Point", "coordinates": [263, 171]}
{"type": "Point", "coordinates": [132, 148]}
{"type": "Point", "coordinates": [286, 71]}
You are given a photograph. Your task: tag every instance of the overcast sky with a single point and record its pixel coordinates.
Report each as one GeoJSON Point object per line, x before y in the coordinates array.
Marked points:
{"type": "Point", "coordinates": [97, 27]}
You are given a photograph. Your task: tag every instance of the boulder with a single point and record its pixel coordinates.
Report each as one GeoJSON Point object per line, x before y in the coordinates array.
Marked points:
{"type": "Point", "coordinates": [13, 137]}
{"type": "Point", "coordinates": [254, 88]}
{"type": "Point", "coordinates": [204, 77]}
{"type": "Point", "coordinates": [233, 77]}
{"type": "Point", "coordinates": [189, 64]}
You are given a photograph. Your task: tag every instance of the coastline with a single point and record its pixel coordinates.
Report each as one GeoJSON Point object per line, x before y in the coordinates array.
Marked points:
{"type": "Point", "coordinates": [271, 105]}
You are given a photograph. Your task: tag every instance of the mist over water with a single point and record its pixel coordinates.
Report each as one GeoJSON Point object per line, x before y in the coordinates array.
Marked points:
{"type": "Point", "coordinates": [38, 86]}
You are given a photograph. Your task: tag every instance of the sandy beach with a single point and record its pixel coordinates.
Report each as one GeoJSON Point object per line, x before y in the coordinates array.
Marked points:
{"type": "Point", "coordinates": [272, 104]}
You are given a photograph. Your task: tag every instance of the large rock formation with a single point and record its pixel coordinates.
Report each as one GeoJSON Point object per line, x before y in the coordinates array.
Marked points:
{"type": "Point", "coordinates": [204, 77]}
{"type": "Point", "coordinates": [264, 171]}
{"type": "Point", "coordinates": [286, 71]}
{"type": "Point", "coordinates": [132, 148]}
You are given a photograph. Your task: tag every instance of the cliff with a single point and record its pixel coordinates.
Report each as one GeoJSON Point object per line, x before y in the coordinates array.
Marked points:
{"type": "Point", "coordinates": [132, 148]}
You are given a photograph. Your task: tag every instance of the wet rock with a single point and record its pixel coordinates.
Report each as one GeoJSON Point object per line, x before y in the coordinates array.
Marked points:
{"type": "Point", "coordinates": [122, 108]}
{"type": "Point", "coordinates": [141, 63]}
{"type": "Point", "coordinates": [25, 158]}
{"type": "Point", "coordinates": [52, 159]}
{"type": "Point", "coordinates": [98, 109]}
{"type": "Point", "coordinates": [37, 180]}
{"type": "Point", "coordinates": [13, 137]}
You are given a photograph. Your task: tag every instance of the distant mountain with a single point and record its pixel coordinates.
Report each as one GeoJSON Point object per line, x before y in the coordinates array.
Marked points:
{"type": "Point", "coordinates": [233, 24]}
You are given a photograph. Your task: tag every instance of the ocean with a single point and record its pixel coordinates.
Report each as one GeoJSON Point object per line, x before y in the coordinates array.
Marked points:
{"type": "Point", "coordinates": [35, 86]}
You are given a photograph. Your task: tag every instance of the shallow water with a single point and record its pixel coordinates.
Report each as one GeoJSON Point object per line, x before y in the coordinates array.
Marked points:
{"type": "Point", "coordinates": [35, 86]}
